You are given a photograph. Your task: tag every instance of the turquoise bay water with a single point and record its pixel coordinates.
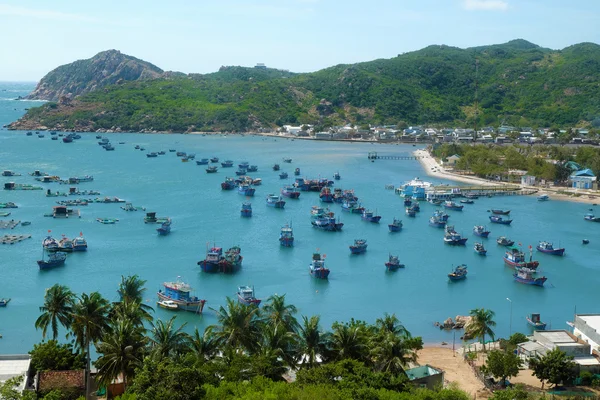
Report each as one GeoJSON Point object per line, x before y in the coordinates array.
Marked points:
{"type": "Point", "coordinates": [358, 287]}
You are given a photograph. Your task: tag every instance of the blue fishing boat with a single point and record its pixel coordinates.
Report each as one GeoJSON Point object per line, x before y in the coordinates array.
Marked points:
{"type": "Point", "coordinates": [49, 243]}
{"type": "Point", "coordinates": [535, 322]}
{"type": "Point", "coordinates": [150, 155]}
{"type": "Point", "coordinates": [202, 161]}
{"type": "Point", "coordinates": [228, 184]}
{"type": "Point", "coordinates": [290, 192]}
{"type": "Point", "coordinates": [287, 160]}
{"type": "Point", "coordinates": [241, 172]}
{"type": "Point", "coordinates": [481, 231]}
{"type": "Point", "coordinates": [410, 212]}
{"type": "Point", "coordinates": [515, 258]}
{"type": "Point", "coordinates": [54, 260]}
{"type": "Point", "coordinates": [178, 293]}
{"type": "Point", "coordinates": [246, 190]}
{"type": "Point", "coordinates": [458, 273]}
{"type": "Point", "coordinates": [591, 217]}
{"type": "Point", "coordinates": [479, 249]}
{"type": "Point", "coordinates": [252, 168]}
{"type": "Point", "coordinates": [327, 223]}
{"type": "Point", "coordinates": [395, 226]}
{"type": "Point", "coordinates": [276, 167]}
{"type": "Point", "coordinates": [246, 210]}
{"type": "Point", "coordinates": [453, 238]}
{"type": "Point", "coordinates": [317, 266]}
{"type": "Point", "coordinates": [227, 164]}
{"type": "Point", "coordinates": [543, 197]}
{"type": "Point", "coordinates": [369, 216]}
{"type": "Point", "coordinates": [352, 206]}
{"type": "Point", "coordinates": [211, 262]}
{"type": "Point", "coordinates": [4, 302]}
{"type": "Point", "coordinates": [165, 228]}
{"type": "Point", "coordinates": [337, 176]}
{"type": "Point", "coordinates": [359, 246]}
{"type": "Point", "coordinates": [441, 215]}
{"type": "Point", "coordinates": [297, 171]}
{"type": "Point", "coordinates": [275, 201]}
{"type": "Point", "coordinates": [286, 236]}
{"type": "Point", "coordinates": [393, 263]}
{"type": "Point", "coordinates": [283, 175]}
{"type": "Point", "coordinates": [504, 241]}
{"type": "Point", "coordinates": [79, 243]}
{"type": "Point", "coordinates": [65, 245]}
{"type": "Point", "coordinates": [548, 248]}
{"type": "Point", "coordinates": [499, 220]}
{"type": "Point", "coordinates": [212, 169]}
{"type": "Point", "coordinates": [214, 160]}
{"type": "Point", "coordinates": [326, 196]}
{"type": "Point", "coordinates": [243, 165]}
{"type": "Point", "coordinates": [499, 212]}
{"type": "Point", "coordinates": [466, 201]}
{"type": "Point", "coordinates": [526, 276]}
{"type": "Point", "coordinates": [450, 205]}
{"type": "Point", "coordinates": [245, 295]}
{"type": "Point", "coordinates": [407, 201]}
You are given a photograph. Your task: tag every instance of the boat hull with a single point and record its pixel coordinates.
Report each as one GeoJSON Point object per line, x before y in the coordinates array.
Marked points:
{"type": "Point", "coordinates": [533, 282]}
{"type": "Point", "coordinates": [554, 252]}
{"type": "Point", "coordinates": [193, 306]}
{"type": "Point", "coordinates": [320, 273]}
{"type": "Point", "coordinates": [394, 228]}
{"type": "Point", "coordinates": [392, 266]}
{"type": "Point", "coordinates": [524, 264]}
{"type": "Point", "coordinates": [358, 249]}
{"type": "Point", "coordinates": [482, 234]}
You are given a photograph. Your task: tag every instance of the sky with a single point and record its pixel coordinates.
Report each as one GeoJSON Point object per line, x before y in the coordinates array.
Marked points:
{"type": "Point", "coordinates": [200, 36]}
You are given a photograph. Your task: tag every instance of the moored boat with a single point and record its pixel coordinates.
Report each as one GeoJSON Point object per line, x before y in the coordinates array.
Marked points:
{"type": "Point", "coordinates": [410, 212]}
{"type": "Point", "coordinates": [327, 223]}
{"type": "Point", "coordinates": [79, 243]}
{"type": "Point", "coordinates": [359, 246]}
{"type": "Point", "coordinates": [297, 171]}
{"type": "Point", "coordinates": [275, 201]}
{"type": "Point", "coordinates": [337, 176]}
{"type": "Point", "coordinates": [246, 190]}
{"type": "Point", "coordinates": [499, 220]}
{"type": "Point", "coordinates": [459, 273]}
{"type": "Point", "coordinates": [450, 205]}
{"type": "Point", "coordinates": [202, 161]}
{"type": "Point", "coordinates": [526, 276]}
{"type": "Point", "coordinates": [481, 231]}
{"type": "Point", "coordinates": [108, 221]}
{"type": "Point", "coordinates": [499, 212]}
{"type": "Point", "coordinates": [65, 245]}
{"type": "Point", "coordinates": [286, 237]}
{"type": "Point", "coordinates": [395, 226]}
{"type": "Point", "coordinates": [4, 302]}
{"type": "Point", "coordinates": [287, 160]}
{"type": "Point", "coordinates": [290, 192]}
{"type": "Point", "coordinates": [214, 160]}
{"type": "Point", "coordinates": [168, 305]}
{"type": "Point", "coordinates": [591, 217]}
{"type": "Point", "coordinates": [466, 201]}
{"type": "Point", "coordinates": [212, 169]}
{"type": "Point", "coordinates": [283, 175]}
{"type": "Point", "coordinates": [179, 293]}
{"type": "Point", "coordinates": [535, 322]}
{"type": "Point", "coordinates": [246, 210]}
{"type": "Point", "coordinates": [393, 263]}
{"type": "Point", "coordinates": [436, 222]}
{"type": "Point", "coordinates": [369, 216]}
{"type": "Point", "coordinates": [326, 196]}
{"type": "Point", "coordinates": [479, 249]}
{"type": "Point", "coordinates": [276, 167]}
{"type": "Point", "coordinates": [54, 260]}
{"type": "Point", "coordinates": [548, 248]}
{"type": "Point", "coordinates": [317, 266]}
{"type": "Point", "coordinates": [228, 184]}
{"type": "Point", "coordinates": [515, 258]}
{"type": "Point", "coordinates": [165, 228]}
{"type": "Point", "coordinates": [543, 197]}
{"type": "Point", "coordinates": [504, 241]}
{"type": "Point", "coordinates": [227, 164]}
{"type": "Point", "coordinates": [211, 261]}
{"type": "Point", "coordinates": [49, 243]}
{"type": "Point", "coordinates": [245, 295]}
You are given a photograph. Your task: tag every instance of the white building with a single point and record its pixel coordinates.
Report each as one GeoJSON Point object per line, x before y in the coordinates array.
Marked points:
{"type": "Point", "coordinates": [12, 366]}
{"type": "Point", "coordinates": [587, 328]}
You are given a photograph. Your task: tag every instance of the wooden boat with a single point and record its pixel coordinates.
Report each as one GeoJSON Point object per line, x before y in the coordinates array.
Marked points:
{"type": "Point", "coordinates": [499, 220]}
{"type": "Point", "coordinates": [4, 302]}
{"type": "Point", "coordinates": [452, 237]}
{"type": "Point", "coordinates": [290, 192]}
{"type": "Point", "coordinates": [283, 175]}
{"type": "Point", "coordinates": [450, 205]}
{"type": "Point", "coordinates": [152, 155]}
{"type": "Point", "coordinates": [436, 222]}
{"type": "Point", "coordinates": [286, 236]}
{"type": "Point", "coordinates": [479, 249]}
{"type": "Point", "coordinates": [395, 226]}
{"type": "Point", "coordinates": [246, 295]}
{"type": "Point", "coordinates": [466, 201]}
{"type": "Point", "coordinates": [500, 212]}
{"type": "Point", "coordinates": [54, 260]}
{"type": "Point", "coordinates": [535, 322]}
{"type": "Point", "coordinates": [79, 243]}
{"type": "Point", "coordinates": [202, 161]}
{"type": "Point", "coordinates": [214, 160]}
{"type": "Point", "coordinates": [359, 246]}
{"type": "Point", "coordinates": [297, 171]}
{"type": "Point", "coordinates": [515, 258]}
{"type": "Point", "coordinates": [317, 266]}
{"type": "Point", "coordinates": [548, 248]}
{"type": "Point", "coordinates": [275, 201]}
{"type": "Point", "coordinates": [337, 176]}
{"type": "Point", "coordinates": [369, 216]}
{"type": "Point", "coordinates": [410, 212]}
{"type": "Point", "coordinates": [287, 160]}
{"type": "Point", "coordinates": [459, 273]}
{"type": "Point", "coordinates": [393, 263]}
{"type": "Point", "coordinates": [165, 228]}
{"type": "Point", "coordinates": [481, 231]}
{"type": "Point", "coordinates": [526, 276]}
{"type": "Point", "coordinates": [246, 190]}
{"type": "Point", "coordinates": [168, 304]}
{"type": "Point", "coordinates": [212, 169]}
{"type": "Point", "coordinates": [276, 167]}
{"type": "Point", "coordinates": [504, 241]}
{"type": "Point", "coordinates": [227, 164]}
{"type": "Point", "coordinates": [179, 293]}
{"type": "Point", "coordinates": [543, 197]}
{"type": "Point", "coordinates": [246, 210]}
{"type": "Point", "coordinates": [228, 184]}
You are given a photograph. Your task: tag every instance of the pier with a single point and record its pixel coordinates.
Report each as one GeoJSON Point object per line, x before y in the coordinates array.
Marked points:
{"type": "Point", "coordinates": [374, 156]}
{"type": "Point", "coordinates": [481, 190]}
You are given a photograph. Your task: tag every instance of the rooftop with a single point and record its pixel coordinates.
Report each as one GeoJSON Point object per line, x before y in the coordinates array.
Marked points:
{"type": "Point", "coordinates": [422, 372]}
{"type": "Point", "coordinates": [592, 320]}
{"type": "Point", "coordinates": [14, 365]}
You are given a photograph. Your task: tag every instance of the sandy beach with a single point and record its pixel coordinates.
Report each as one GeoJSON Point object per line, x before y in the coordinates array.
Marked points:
{"type": "Point", "coordinates": [433, 168]}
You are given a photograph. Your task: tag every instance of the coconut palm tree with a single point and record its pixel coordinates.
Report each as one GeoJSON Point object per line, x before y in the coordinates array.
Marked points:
{"type": "Point", "coordinates": [239, 326]}
{"type": "Point", "coordinates": [57, 308]}
{"type": "Point", "coordinates": [349, 341]}
{"type": "Point", "coordinates": [312, 343]}
{"type": "Point", "coordinates": [167, 340]}
{"type": "Point", "coordinates": [392, 353]}
{"type": "Point", "coordinates": [90, 322]}
{"type": "Point", "coordinates": [121, 351]}
{"type": "Point", "coordinates": [481, 324]}
{"type": "Point", "coordinates": [205, 346]}
{"type": "Point", "coordinates": [132, 311]}
{"type": "Point", "coordinates": [277, 312]}
{"type": "Point", "coordinates": [391, 323]}
{"type": "Point", "coordinates": [132, 288]}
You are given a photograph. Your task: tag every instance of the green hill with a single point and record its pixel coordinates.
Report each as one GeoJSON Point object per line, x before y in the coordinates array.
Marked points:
{"type": "Point", "coordinates": [517, 83]}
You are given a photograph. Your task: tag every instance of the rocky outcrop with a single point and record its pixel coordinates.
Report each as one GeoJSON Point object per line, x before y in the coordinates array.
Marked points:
{"type": "Point", "coordinates": [106, 68]}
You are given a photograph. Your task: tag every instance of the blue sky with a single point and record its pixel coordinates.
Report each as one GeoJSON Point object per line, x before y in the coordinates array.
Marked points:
{"type": "Point", "coordinates": [299, 35]}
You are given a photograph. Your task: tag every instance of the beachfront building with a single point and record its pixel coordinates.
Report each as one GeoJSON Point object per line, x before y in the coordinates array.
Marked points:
{"type": "Point", "coordinates": [323, 135]}
{"type": "Point", "coordinates": [583, 179]}
{"type": "Point", "coordinates": [528, 180]}
{"type": "Point", "coordinates": [587, 328]}
{"type": "Point", "coordinates": [15, 365]}
{"type": "Point", "coordinates": [451, 160]}
{"type": "Point", "coordinates": [426, 376]}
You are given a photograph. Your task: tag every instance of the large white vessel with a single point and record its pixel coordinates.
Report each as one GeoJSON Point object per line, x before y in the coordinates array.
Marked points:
{"type": "Point", "coordinates": [415, 188]}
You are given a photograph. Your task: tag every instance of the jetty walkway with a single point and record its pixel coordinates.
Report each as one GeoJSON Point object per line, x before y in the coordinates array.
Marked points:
{"type": "Point", "coordinates": [374, 156]}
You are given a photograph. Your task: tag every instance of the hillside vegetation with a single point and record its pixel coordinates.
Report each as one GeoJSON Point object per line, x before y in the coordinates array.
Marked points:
{"type": "Point", "coordinates": [517, 83]}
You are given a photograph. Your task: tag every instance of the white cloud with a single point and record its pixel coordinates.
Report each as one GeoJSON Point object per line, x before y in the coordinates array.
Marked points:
{"type": "Point", "coordinates": [487, 5]}
{"type": "Point", "coordinates": [6, 9]}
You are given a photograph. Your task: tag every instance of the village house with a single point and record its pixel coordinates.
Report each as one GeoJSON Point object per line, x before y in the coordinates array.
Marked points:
{"type": "Point", "coordinates": [583, 179]}
{"type": "Point", "coordinates": [451, 160]}
{"type": "Point", "coordinates": [587, 328]}
{"type": "Point", "coordinates": [15, 365]}
{"type": "Point", "coordinates": [426, 376]}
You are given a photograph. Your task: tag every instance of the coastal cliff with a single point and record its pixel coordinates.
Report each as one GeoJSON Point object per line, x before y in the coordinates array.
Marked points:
{"type": "Point", "coordinates": [83, 76]}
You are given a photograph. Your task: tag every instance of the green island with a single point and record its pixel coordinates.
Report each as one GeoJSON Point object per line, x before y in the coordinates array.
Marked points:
{"type": "Point", "coordinates": [255, 353]}
{"type": "Point", "coordinates": [517, 83]}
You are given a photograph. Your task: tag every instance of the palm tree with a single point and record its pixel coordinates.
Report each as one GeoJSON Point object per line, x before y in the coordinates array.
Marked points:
{"type": "Point", "coordinates": [391, 324]}
{"type": "Point", "coordinates": [280, 313]}
{"type": "Point", "coordinates": [481, 323]}
{"type": "Point", "coordinates": [312, 344]}
{"type": "Point", "coordinates": [132, 288]}
{"type": "Point", "coordinates": [90, 322]}
{"type": "Point", "coordinates": [132, 311]}
{"type": "Point", "coordinates": [239, 325]}
{"type": "Point", "coordinates": [120, 351]}
{"type": "Point", "coordinates": [280, 342]}
{"type": "Point", "coordinates": [392, 353]}
{"type": "Point", "coordinates": [205, 346]}
{"type": "Point", "coordinates": [349, 341]}
{"type": "Point", "coordinates": [166, 340]}
{"type": "Point", "coordinates": [57, 308]}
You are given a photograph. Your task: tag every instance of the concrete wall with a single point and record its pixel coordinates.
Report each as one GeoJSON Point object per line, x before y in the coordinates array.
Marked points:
{"type": "Point", "coordinates": [587, 333]}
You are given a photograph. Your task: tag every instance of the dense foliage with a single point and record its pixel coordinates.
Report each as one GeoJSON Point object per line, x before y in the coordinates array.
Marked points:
{"type": "Point", "coordinates": [517, 83]}
{"type": "Point", "coordinates": [554, 367]}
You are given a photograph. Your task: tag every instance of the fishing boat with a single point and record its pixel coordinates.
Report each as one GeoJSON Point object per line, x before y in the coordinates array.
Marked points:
{"type": "Point", "coordinates": [459, 273]}
{"type": "Point", "coordinates": [327, 223]}
{"type": "Point", "coordinates": [79, 243]}
{"type": "Point", "coordinates": [450, 205]}
{"type": "Point", "coordinates": [290, 192]}
{"type": "Point", "coordinates": [326, 196]}
{"type": "Point", "coordinates": [275, 201]}
{"type": "Point", "coordinates": [499, 220]}
{"type": "Point", "coordinates": [499, 212]}
{"type": "Point", "coordinates": [395, 226]}
{"type": "Point", "coordinates": [287, 160]}
{"type": "Point", "coordinates": [466, 201]}
{"type": "Point", "coordinates": [168, 305]}
{"type": "Point", "coordinates": [243, 165]}
{"type": "Point", "coordinates": [228, 184]}
{"type": "Point", "coordinates": [410, 212]}
{"type": "Point", "coordinates": [252, 168]}
{"type": "Point", "coordinates": [453, 238]}
{"type": "Point", "coordinates": [479, 249]}
{"type": "Point", "coordinates": [214, 160]}
{"type": "Point", "coordinates": [227, 164]}
{"type": "Point", "coordinates": [441, 215]}
{"type": "Point", "coordinates": [337, 176]}
{"type": "Point", "coordinates": [526, 276]}
{"type": "Point", "coordinates": [543, 197]}
{"type": "Point", "coordinates": [369, 216]}
{"type": "Point", "coordinates": [297, 171]}
{"type": "Point", "coordinates": [407, 201]}
{"type": "Point", "coordinates": [165, 228]}
{"type": "Point", "coordinates": [108, 221]}
{"type": "Point", "coordinates": [257, 181]}
{"type": "Point", "coordinates": [515, 258]}
{"type": "Point", "coordinates": [211, 261]}
{"type": "Point", "coordinates": [276, 167]}
{"type": "Point", "coordinates": [471, 196]}
{"type": "Point", "coordinates": [245, 295]}
{"type": "Point", "coordinates": [535, 322]}
{"type": "Point", "coordinates": [179, 293]}
{"type": "Point", "coordinates": [65, 245]}
{"type": "Point", "coordinates": [246, 190]}
{"type": "Point", "coordinates": [591, 217]}
{"type": "Point", "coordinates": [231, 261]}
{"type": "Point", "coordinates": [504, 241]}
{"type": "Point", "coordinates": [152, 155]}
{"type": "Point", "coordinates": [50, 244]}
{"type": "Point", "coordinates": [246, 210]}
{"type": "Point", "coordinates": [211, 169]}
{"type": "Point", "coordinates": [352, 207]}
{"type": "Point", "coordinates": [359, 246]}
{"type": "Point", "coordinates": [481, 231]}
{"type": "Point", "coordinates": [317, 266]}
{"type": "Point", "coordinates": [548, 248]}
{"type": "Point", "coordinates": [241, 172]}
{"type": "Point", "coordinates": [286, 237]}
{"type": "Point", "coordinates": [393, 263]}
{"type": "Point", "coordinates": [4, 214]}
{"type": "Point", "coordinates": [54, 260]}
{"type": "Point", "coordinates": [202, 161]}
{"type": "Point", "coordinates": [283, 175]}
{"type": "Point", "coordinates": [436, 222]}
{"type": "Point", "coordinates": [4, 302]}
